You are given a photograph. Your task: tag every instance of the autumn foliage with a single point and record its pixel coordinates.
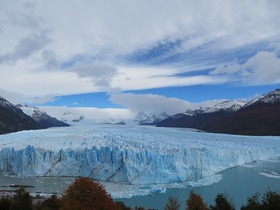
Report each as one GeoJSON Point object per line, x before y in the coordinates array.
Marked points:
{"type": "Point", "coordinates": [195, 202]}
{"type": "Point", "coordinates": [86, 194]}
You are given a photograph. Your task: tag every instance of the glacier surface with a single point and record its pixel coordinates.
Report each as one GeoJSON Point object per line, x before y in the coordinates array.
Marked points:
{"type": "Point", "coordinates": [129, 154]}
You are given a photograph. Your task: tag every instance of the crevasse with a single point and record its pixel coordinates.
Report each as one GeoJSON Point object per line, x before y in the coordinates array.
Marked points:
{"type": "Point", "coordinates": [134, 155]}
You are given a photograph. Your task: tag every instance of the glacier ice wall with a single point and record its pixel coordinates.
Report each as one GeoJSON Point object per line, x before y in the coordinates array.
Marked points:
{"type": "Point", "coordinates": [135, 155]}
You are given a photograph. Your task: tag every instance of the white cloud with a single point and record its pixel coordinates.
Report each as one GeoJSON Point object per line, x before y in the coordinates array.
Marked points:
{"type": "Point", "coordinates": [90, 113]}
{"type": "Point", "coordinates": [139, 78]}
{"type": "Point", "coordinates": [260, 69]}
{"type": "Point", "coordinates": [150, 103]}
{"type": "Point", "coordinates": [26, 47]}
{"type": "Point", "coordinates": [100, 74]}
{"type": "Point", "coordinates": [38, 37]}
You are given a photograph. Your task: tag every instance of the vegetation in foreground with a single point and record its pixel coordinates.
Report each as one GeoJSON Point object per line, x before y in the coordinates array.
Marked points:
{"type": "Point", "coordinates": [86, 194]}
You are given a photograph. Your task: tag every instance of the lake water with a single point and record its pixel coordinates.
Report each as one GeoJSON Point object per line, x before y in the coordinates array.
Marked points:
{"type": "Point", "coordinates": [237, 183]}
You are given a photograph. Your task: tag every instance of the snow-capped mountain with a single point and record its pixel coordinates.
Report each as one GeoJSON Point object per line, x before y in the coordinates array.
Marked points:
{"type": "Point", "coordinates": [111, 122]}
{"type": "Point", "coordinates": [6, 104]}
{"type": "Point", "coordinates": [228, 106]}
{"type": "Point", "coordinates": [260, 116]}
{"type": "Point", "coordinates": [150, 119]}
{"type": "Point", "coordinates": [13, 119]}
{"type": "Point", "coordinates": [41, 117]}
{"type": "Point", "coordinates": [72, 117]}
{"type": "Point", "coordinates": [272, 97]}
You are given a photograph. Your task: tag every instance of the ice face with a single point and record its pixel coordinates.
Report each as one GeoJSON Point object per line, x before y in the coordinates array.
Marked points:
{"type": "Point", "coordinates": [129, 154]}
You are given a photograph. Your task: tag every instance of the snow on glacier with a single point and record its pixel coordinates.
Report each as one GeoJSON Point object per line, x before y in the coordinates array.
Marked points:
{"type": "Point", "coordinates": [129, 154]}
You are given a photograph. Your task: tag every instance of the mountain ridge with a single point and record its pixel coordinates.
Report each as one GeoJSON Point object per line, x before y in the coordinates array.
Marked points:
{"type": "Point", "coordinates": [15, 118]}
{"type": "Point", "coordinates": [45, 120]}
{"type": "Point", "coordinates": [260, 116]}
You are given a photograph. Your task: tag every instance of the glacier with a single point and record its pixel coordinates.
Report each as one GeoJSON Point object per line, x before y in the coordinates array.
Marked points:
{"type": "Point", "coordinates": [129, 154]}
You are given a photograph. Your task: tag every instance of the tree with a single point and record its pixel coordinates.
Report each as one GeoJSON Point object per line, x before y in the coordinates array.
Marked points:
{"type": "Point", "coordinates": [86, 194]}
{"type": "Point", "coordinates": [195, 202]}
{"type": "Point", "coordinates": [121, 206]}
{"type": "Point", "coordinates": [5, 203]}
{"type": "Point", "coordinates": [21, 200]}
{"type": "Point", "coordinates": [222, 203]}
{"type": "Point", "coordinates": [52, 203]}
{"type": "Point", "coordinates": [173, 204]}
{"type": "Point", "coordinates": [253, 203]}
{"type": "Point", "coordinates": [271, 200]}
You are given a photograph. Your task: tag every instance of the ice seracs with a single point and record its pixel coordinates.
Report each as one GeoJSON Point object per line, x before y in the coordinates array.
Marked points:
{"type": "Point", "coordinates": [129, 154]}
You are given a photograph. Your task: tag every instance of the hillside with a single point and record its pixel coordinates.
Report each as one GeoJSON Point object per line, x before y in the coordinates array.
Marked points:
{"type": "Point", "coordinates": [260, 116]}
{"type": "Point", "coordinates": [13, 119]}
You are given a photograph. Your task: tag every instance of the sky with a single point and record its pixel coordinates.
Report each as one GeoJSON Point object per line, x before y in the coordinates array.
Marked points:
{"type": "Point", "coordinates": [140, 55]}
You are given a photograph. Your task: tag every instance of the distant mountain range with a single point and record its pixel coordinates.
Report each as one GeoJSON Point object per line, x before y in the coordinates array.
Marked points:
{"type": "Point", "coordinates": [150, 119]}
{"type": "Point", "coordinates": [71, 117]}
{"type": "Point", "coordinates": [260, 116]}
{"type": "Point", "coordinates": [14, 118]}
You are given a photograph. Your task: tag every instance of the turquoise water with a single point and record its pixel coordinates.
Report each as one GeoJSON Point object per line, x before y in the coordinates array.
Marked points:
{"type": "Point", "coordinates": [237, 183]}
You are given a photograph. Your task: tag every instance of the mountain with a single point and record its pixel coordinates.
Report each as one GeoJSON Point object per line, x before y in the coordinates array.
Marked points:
{"type": "Point", "coordinates": [41, 117]}
{"type": "Point", "coordinates": [72, 117]}
{"type": "Point", "coordinates": [260, 116]}
{"type": "Point", "coordinates": [150, 119]}
{"type": "Point", "coordinates": [228, 106]}
{"type": "Point", "coordinates": [13, 119]}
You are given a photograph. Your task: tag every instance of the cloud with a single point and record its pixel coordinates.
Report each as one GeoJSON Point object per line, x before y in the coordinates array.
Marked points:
{"type": "Point", "coordinates": [102, 44]}
{"type": "Point", "coordinates": [260, 69]}
{"type": "Point", "coordinates": [13, 97]}
{"type": "Point", "coordinates": [150, 103]}
{"type": "Point", "coordinates": [90, 113]}
{"type": "Point", "coordinates": [139, 78]}
{"type": "Point", "coordinates": [26, 47]}
{"type": "Point", "coordinates": [18, 98]}
{"type": "Point", "coordinates": [100, 74]}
